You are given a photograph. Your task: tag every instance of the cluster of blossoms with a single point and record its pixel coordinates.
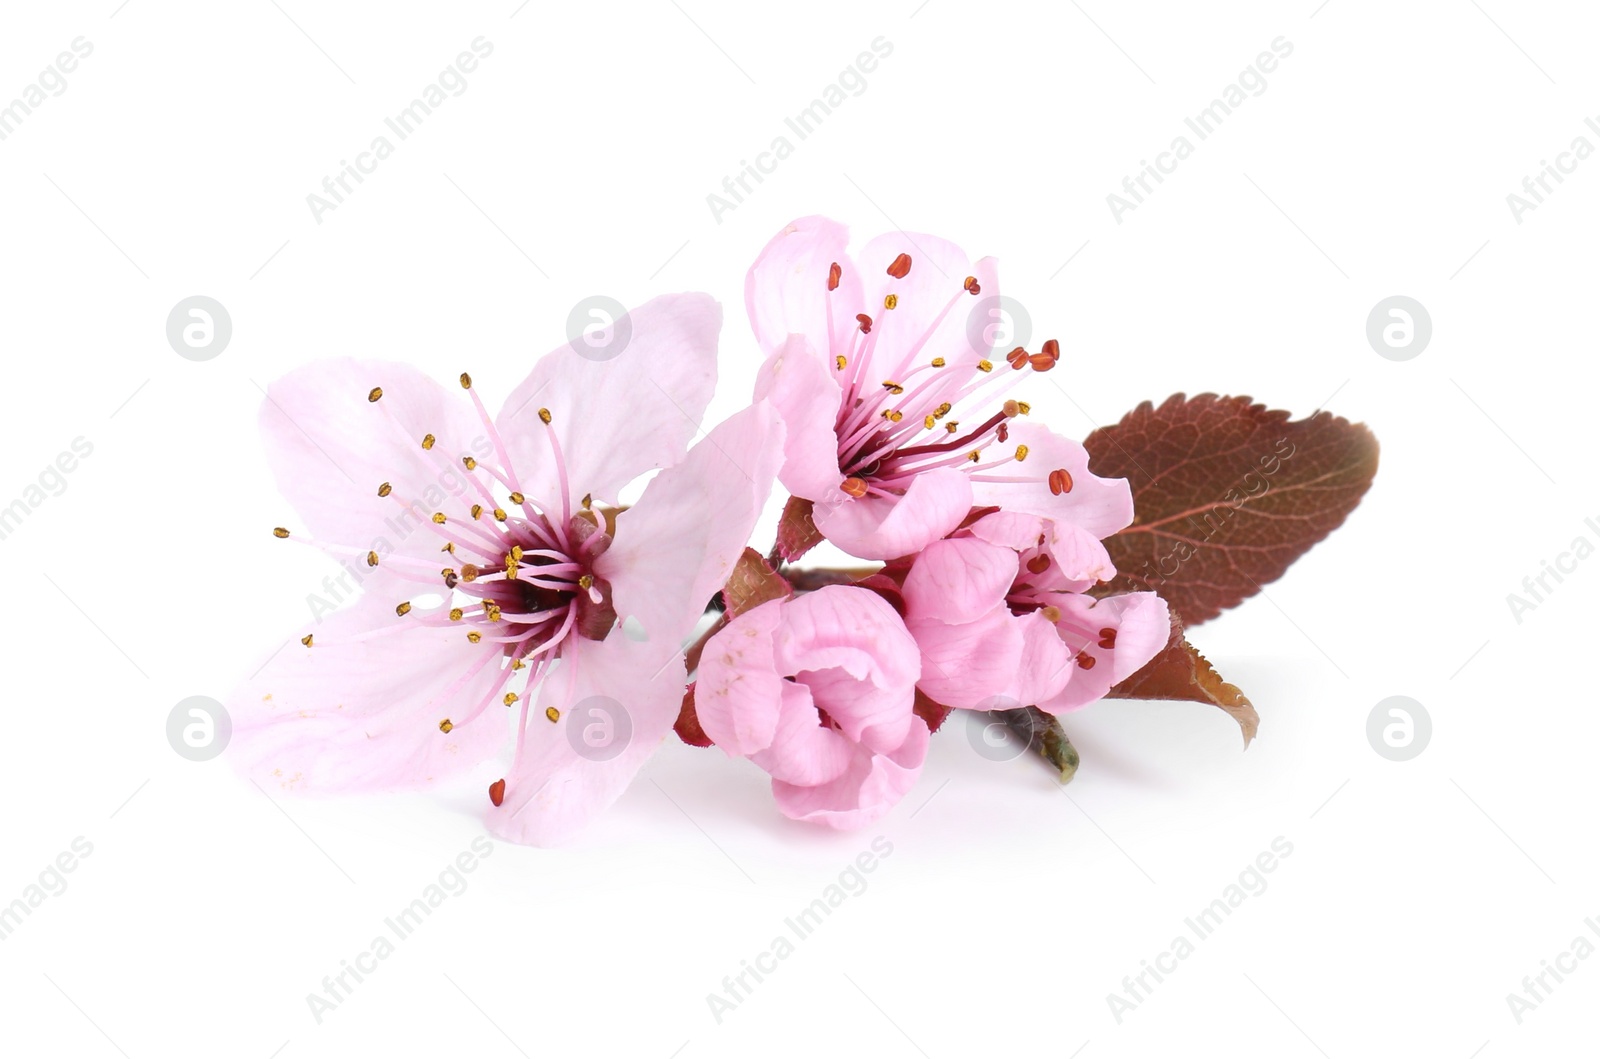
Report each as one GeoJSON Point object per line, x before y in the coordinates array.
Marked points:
{"type": "Point", "coordinates": [501, 575]}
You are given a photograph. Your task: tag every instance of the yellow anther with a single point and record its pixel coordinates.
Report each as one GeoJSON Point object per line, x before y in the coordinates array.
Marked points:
{"type": "Point", "coordinates": [511, 697]}
{"type": "Point", "coordinates": [973, 455]}
{"type": "Point", "coordinates": [403, 609]}
{"type": "Point", "coordinates": [469, 572]}
{"type": "Point", "coordinates": [306, 639]}
{"type": "Point", "coordinates": [427, 441]}
{"type": "Point", "coordinates": [1024, 407]}
{"type": "Point", "coordinates": [445, 726]}
{"type": "Point", "coordinates": [474, 636]}
{"type": "Point", "coordinates": [469, 463]}
{"type": "Point", "coordinates": [1051, 614]}
{"type": "Point", "coordinates": [375, 393]}
{"type": "Point", "coordinates": [466, 381]}
{"type": "Point", "coordinates": [839, 362]}
{"type": "Point", "coordinates": [544, 415]}
{"type": "Point", "coordinates": [938, 362]}
{"type": "Point", "coordinates": [438, 518]}
{"type": "Point", "coordinates": [372, 558]}
{"type": "Point", "coordinates": [984, 365]}
{"type": "Point", "coordinates": [943, 410]}
{"type": "Point", "coordinates": [893, 387]}
{"type": "Point", "coordinates": [928, 422]}
{"type": "Point", "coordinates": [516, 552]}
{"type": "Point", "coordinates": [587, 501]}
{"type": "Point", "coordinates": [385, 489]}
{"type": "Point", "coordinates": [517, 498]}
{"type": "Point", "coordinates": [1022, 453]}
{"type": "Point", "coordinates": [552, 713]}
{"type": "Point", "coordinates": [950, 427]}
{"type": "Point", "coordinates": [500, 513]}
{"type": "Point", "coordinates": [477, 510]}
{"type": "Point", "coordinates": [280, 533]}
{"type": "Point", "coordinates": [455, 613]}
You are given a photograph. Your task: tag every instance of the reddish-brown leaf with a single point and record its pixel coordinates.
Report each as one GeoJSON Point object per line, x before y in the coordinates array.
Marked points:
{"type": "Point", "coordinates": [751, 584]}
{"type": "Point", "coordinates": [1181, 672]}
{"type": "Point", "coordinates": [933, 714]}
{"type": "Point", "coordinates": [1226, 494]}
{"type": "Point", "coordinates": [797, 534]}
{"type": "Point", "coordinates": [688, 723]}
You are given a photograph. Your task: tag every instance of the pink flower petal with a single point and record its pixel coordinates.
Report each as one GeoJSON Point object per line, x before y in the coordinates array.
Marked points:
{"type": "Point", "coordinates": [1077, 558]}
{"type": "Point", "coordinates": [957, 581]}
{"type": "Point", "coordinates": [1140, 622]}
{"type": "Point", "coordinates": [930, 298]}
{"type": "Point", "coordinates": [616, 418]}
{"type": "Point", "coordinates": [786, 291]}
{"type": "Point", "coordinates": [738, 689]}
{"type": "Point", "coordinates": [854, 632]}
{"type": "Point", "coordinates": [330, 448]}
{"type": "Point", "coordinates": [840, 740]}
{"type": "Point", "coordinates": [801, 387]}
{"type": "Point", "coordinates": [887, 527]}
{"type": "Point", "coordinates": [611, 685]}
{"type": "Point", "coordinates": [969, 665]}
{"type": "Point", "coordinates": [354, 713]}
{"type": "Point", "coordinates": [1045, 665]}
{"type": "Point", "coordinates": [803, 752]}
{"type": "Point", "coordinates": [872, 786]}
{"type": "Point", "coordinates": [677, 546]}
{"type": "Point", "coordinates": [1101, 506]}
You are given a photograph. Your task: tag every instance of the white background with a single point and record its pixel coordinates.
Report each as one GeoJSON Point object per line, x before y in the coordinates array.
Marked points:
{"type": "Point", "coordinates": [578, 161]}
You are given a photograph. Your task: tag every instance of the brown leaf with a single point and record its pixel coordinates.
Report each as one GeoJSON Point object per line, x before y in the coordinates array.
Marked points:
{"type": "Point", "coordinates": [933, 713]}
{"type": "Point", "coordinates": [1226, 494]}
{"type": "Point", "coordinates": [751, 584]}
{"type": "Point", "coordinates": [688, 723]}
{"type": "Point", "coordinates": [797, 534]}
{"type": "Point", "coordinates": [1181, 672]}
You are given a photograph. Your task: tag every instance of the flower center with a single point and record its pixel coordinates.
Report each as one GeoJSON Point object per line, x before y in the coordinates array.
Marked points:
{"type": "Point", "coordinates": [893, 429]}
{"type": "Point", "coordinates": [516, 573]}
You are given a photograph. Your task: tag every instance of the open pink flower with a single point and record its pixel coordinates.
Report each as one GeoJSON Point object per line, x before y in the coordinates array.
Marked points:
{"type": "Point", "coordinates": [1002, 619]}
{"type": "Point", "coordinates": [493, 579]}
{"type": "Point", "coordinates": [897, 420]}
{"type": "Point", "coordinates": [818, 690]}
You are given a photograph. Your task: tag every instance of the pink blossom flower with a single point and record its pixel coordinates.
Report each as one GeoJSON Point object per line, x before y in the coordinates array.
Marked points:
{"type": "Point", "coordinates": [1001, 616]}
{"type": "Point", "coordinates": [897, 421]}
{"type": "Point", "coordinates": [818, 691]}
{"type": "Point", "coordinates": [493, 577]}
